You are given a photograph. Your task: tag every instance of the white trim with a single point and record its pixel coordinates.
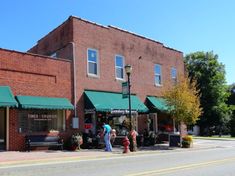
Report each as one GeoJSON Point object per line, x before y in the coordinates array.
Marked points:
{"type": "Point", "coordinates": [174, 78]}
{"type": "Point", "coordinates": [161, 79]}
{"type": "Point", "coordinates": [115, 66]}
{"type": "Point", "coordinates": [173, 68]}
{"type": "Point", "coordinates": [97, 63]}
{"type": "Point", "coordinates": [7, 128]}
{"type": "Point", "coordinates": [64, 120]}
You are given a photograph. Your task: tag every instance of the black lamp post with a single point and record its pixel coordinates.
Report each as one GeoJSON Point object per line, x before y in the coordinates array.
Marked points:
{"type": "Point", "coordinates": [128, 70]}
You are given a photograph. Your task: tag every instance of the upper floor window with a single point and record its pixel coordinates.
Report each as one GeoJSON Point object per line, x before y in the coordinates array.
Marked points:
{"type": "Point", "coordinates": [173, 75]}
{"type": "Point", "coordinates": [119, 67]}
{"type": "Point", "coordinates": [158, 74]}
{"type": "Point", "coordinates": [92, 62]}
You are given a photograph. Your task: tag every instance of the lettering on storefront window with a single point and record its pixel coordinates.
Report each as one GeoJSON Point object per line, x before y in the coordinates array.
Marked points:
{"type": "Point", "coordinates": [42, 117]}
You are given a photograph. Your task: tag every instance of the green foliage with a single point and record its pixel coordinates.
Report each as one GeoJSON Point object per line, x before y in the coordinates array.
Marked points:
{"type": "Point", "coordinates": [210, 76]}
{"type": "Point", "coordinates": [232, 125]}
{"type": "Point", "coordinates": [188, 138]}
{"type": "Point", "coordinates": [184, 100]}
{"type": "Point", "coordinates": [231, 102]}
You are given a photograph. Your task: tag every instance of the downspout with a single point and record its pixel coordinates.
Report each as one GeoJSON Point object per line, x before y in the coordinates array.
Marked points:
{"type": "Point", "coordinates": [74, 81]}
{"type": "Point", "coordinates": [7, 130]}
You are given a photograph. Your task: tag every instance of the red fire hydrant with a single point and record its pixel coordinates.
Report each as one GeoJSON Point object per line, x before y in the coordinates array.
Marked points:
{"type": "Point", "coordinates": [126, 144]}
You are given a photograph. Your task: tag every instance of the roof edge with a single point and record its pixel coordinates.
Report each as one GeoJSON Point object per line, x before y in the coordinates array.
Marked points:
{"type": "Point", "coordinates": [35, 55]}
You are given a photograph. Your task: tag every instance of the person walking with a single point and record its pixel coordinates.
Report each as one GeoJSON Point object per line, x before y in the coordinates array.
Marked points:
{"type": "Point", "coordinates": [113, 136]}
{"type": "Point", "coordinates": [107, 131]}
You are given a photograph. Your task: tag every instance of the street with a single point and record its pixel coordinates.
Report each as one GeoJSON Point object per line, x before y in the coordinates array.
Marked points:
{"type": "Point", "coordinates": [218, 159]}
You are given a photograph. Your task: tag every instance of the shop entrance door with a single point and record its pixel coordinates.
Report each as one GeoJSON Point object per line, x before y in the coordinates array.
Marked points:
{"type": "Point", "coordinates": [2, 129]}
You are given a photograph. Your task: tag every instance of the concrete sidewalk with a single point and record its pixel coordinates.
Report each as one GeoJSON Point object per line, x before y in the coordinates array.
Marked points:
{"type": "Point", "coordinates": [16, 157]}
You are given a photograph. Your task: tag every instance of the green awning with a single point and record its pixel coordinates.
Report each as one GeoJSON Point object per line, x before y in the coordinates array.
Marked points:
{"type": "Point", "coordinates": [108, 102]}
{"type": "Point", "coordinates": [34, 102]}
{"type": "Point", "coordinates": [6, 97]}
{"type": "Point", "coordinates": [156, 103]}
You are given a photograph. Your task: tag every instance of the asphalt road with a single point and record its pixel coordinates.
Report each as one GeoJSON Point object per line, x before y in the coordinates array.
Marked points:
{"type": "Point", "coordinates": [218, 160]}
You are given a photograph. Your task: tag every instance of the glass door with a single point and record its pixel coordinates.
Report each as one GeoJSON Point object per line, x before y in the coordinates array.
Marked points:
{"type": "Point", "coordinates": [2, 129]}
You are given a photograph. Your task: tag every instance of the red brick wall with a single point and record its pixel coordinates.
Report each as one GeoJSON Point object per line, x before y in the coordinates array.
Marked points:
{"type": "Point", "coordinates": [56, 41]}
{"type": "Point", "coordinates": [110, 41]}
{"type": "Point", "coordinates": [33, 75]}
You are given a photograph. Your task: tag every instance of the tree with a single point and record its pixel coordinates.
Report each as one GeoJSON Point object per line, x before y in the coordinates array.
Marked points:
{"type": "Point", "coordinates": [210, 76]}
{"type": "Point", "coordinates": [231, 103]}
{"type": "Point", "coordinates": [184, 101]}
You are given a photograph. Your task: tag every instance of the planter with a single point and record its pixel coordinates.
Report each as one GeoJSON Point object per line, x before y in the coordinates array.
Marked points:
{"type": "Point", "coordinates": [186, 144]}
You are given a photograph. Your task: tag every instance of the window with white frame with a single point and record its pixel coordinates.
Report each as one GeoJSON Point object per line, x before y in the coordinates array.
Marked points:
{"type": "Point", "coordinates": [173, 75]}
{"type": "Point", "coordinates": [92, 62]}
{"type": "Point", "coordinates": [119, 67]}
{"type": "Point", "coordinates": [158, 74]}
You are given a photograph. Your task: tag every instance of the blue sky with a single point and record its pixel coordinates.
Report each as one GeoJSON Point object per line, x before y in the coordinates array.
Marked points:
{"type": "Point", "coordinates": [186, 25]}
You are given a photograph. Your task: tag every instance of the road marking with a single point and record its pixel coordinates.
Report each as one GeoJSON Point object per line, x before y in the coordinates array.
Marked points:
{"type": "Point", "coordinates": [73, 159]}
{"type": "Point", "coordinates": [182, 167]}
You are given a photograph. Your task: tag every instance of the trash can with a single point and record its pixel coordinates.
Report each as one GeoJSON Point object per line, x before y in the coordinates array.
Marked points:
{"type": "Point", "coordinates": [174, 140]}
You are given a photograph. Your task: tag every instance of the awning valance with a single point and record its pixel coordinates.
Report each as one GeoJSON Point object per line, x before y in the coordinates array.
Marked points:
{"type": "Point", "coordinates": [156, 103]}
{"type": "Point", "coordinates": [109, 101]}
{"type": "Point", "coordinates": [35, 102]}
{"type": "Point", "coordinates": [6, 97]}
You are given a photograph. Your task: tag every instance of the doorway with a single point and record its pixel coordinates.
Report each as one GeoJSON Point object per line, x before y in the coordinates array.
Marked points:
{"type": "Point", "coordinates": [2, 129]}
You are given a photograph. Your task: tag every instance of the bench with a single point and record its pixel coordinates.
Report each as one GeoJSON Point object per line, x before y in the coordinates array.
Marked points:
{"type": "Point", "coordinates": [42, 141]}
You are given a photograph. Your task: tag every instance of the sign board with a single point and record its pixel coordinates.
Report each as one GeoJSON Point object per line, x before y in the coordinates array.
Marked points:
{"type": "Point", "coordinates": [122, 111]}
{"type": "Point", "coordinates": [42, 117]}
{"type": "Point", "coordinates": [125, 90]}
{"type": "Point", "coordinates": [88, 126]}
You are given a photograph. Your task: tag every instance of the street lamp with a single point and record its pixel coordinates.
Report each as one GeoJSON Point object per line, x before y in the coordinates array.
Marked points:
{"type": "Point", "coordinates": [128, 70]}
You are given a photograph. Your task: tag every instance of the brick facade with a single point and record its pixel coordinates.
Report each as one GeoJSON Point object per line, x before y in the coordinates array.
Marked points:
{"type": "Point", "coordinates": [39, 75]}
{"type": "Point", "coordinates": [34, 75]}
{"type": "Point", "coordinates": [142, 53]}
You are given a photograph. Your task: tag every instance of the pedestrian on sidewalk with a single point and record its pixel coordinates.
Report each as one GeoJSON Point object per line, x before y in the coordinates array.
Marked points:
{"type": "Point", "coordinates": [113, 136]}
{"type": "Point", "coordinates": [107, 135]}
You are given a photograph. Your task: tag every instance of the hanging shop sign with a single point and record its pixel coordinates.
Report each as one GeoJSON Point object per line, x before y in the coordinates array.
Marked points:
{"type": "Point", "coordinates": [122, 111]}
{"type": "Point", "coordinates": [125, 90]}
{"type": "Point", "coordinates": [89, 111]}
{"type": "Point", "coordinates": [42, 117]}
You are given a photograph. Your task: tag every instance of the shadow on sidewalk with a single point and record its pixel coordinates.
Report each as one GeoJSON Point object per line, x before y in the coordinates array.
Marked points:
{"type": "Point", "coordinates": [156, 147]}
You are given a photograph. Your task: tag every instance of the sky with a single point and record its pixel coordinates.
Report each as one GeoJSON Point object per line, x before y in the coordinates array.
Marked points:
{"type": "Point", "coordinates": [185, 25]}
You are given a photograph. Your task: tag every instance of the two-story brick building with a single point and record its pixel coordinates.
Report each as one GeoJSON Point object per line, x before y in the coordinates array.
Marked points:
{"type": "Point", "coordinates": [91, 74]}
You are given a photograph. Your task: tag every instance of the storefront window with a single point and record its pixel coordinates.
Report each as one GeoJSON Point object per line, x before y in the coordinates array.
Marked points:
{"type": "Point", "coordinates": [41, 120]}
{"type": "Point", "coordinates": [165, 124]}
{"type": "Point", "coordinates": [120, 124]}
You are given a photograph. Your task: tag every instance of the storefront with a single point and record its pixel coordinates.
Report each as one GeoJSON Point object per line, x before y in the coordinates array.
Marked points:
{"type": "Point", "coordinates": [160, 120]}
{"type": "Point", "coordinates": [6, 101]}
{"type": "Point", "coordinates": [42, 114]}
{"type": "Point", "coordinates": [23, 115]}
{"type": "Point", "coordinates": [112, 108]}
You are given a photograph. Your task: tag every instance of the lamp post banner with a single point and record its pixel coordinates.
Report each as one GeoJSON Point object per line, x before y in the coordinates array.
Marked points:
{"type": "Point", "coordinates": [125, 90]}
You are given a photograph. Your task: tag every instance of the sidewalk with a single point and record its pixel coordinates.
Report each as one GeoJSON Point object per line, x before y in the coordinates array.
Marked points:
{"type": "Point", "coordinates": [11, 158]}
